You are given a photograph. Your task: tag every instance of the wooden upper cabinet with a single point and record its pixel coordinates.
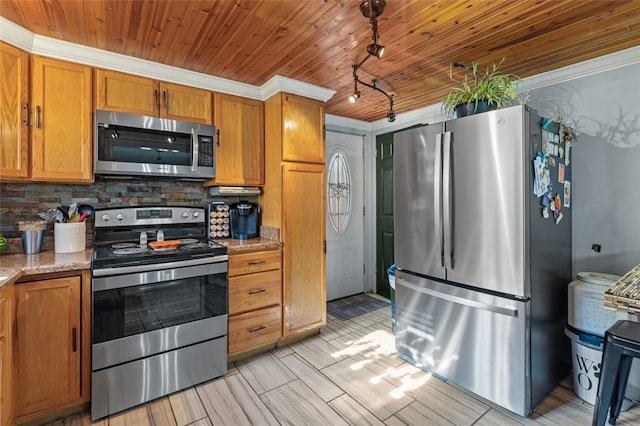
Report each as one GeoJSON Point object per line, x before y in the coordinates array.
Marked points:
{"type": "Point", "coordinates": [14, 92]}
{"type": "Point", "coordinates": [121, 92]}
{"type": "Point", "coordinates": [116, 91]}
{"type": "Point", "coordinates": [48, 353]}
{"type": "Point", "coordinates": [185, 103]}
{"type": "Point", "coordinates": [303, 129]}
{"type": "Point", "coordinates": [62, 124]}
{"type": "Point", "coordinates": [240, 144]}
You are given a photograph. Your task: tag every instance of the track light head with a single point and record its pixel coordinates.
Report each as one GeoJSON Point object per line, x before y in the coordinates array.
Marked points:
{"type": "Point", "coordinates": [376, 50]}
{"type": "Point", "coordinates": [354, 96]}
{"type": "Point", "coordinates": [391, 116]}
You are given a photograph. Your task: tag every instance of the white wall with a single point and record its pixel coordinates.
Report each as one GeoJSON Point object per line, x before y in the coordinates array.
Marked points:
{"type": "Point", "coordinates": [606, 164]}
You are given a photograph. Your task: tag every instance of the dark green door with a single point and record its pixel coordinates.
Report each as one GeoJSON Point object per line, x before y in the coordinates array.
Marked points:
{"type": "Point", "coordinates": [384, 211]}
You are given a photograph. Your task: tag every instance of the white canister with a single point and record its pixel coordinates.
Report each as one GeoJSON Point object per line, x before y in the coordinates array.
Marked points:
{"type": "Point", "coordinates": [586, 303]}
{"type": "Point", "coordinates": [70, 237]}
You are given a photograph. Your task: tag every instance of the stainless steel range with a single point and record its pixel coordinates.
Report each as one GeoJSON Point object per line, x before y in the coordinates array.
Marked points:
{"type": "Point", "coordinates": [159, 316]}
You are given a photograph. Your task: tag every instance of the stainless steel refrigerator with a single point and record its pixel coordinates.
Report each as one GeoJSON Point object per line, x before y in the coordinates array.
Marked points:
{"type": "Point", "coordinates": [481, 285]}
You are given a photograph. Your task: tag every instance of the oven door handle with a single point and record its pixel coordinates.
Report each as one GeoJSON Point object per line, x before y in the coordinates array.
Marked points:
{"type": "Point", "coordinates": [156, 277]}
{"type": "Point", "coordinates": [103, 272]}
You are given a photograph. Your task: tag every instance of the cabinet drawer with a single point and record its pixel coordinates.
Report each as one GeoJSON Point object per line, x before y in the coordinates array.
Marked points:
{"type": "Point", "coordinates": [254, 329]}
{"type": "Point", "coordinates": [248, 263]}
{"type": "Point", "coordinates": [254, 291]}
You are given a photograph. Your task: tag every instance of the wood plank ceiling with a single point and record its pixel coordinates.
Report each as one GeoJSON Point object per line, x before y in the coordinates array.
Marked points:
{"type": "Point", "coordinates": [318, 41]}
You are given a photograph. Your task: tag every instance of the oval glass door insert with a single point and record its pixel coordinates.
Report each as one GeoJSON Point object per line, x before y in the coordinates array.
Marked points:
{"type": "Point", "coordinates": [339, 192]}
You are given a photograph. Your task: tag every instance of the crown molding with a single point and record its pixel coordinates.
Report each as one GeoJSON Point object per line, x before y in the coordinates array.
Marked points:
{"type": "Point", "coordinates": [278, 83]}
{"type": "Point", "coordinates": [16, 35]}
{"type": "Point", "coordinates": [59, 49]}
{"type": "Point", "coordinates": [345, 122]}
{"type": "Point", "coordinates": [582, 69]}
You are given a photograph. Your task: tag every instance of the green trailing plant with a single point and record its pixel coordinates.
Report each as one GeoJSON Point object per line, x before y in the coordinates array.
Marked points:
{"type": "Point", "coordinates": [496, 88]}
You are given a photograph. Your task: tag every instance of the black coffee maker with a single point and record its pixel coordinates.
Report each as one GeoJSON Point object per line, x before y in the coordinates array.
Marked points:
{"type": "Point", "coordinates": [244, 220]}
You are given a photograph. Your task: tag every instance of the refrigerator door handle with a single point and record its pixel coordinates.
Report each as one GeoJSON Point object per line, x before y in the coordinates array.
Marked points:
{"type": "Point", "coordinates": [447, 221]}
{"type": "Point", "coordinates": [437, 196]}
{"type": "Point", "coordinates": [502, 310]}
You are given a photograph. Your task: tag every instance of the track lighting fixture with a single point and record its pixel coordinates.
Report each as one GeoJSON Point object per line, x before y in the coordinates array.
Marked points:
{"type": "Point", "coordinates": [391, 114]}
{"type": "Point", "coordinates": [372, 9]}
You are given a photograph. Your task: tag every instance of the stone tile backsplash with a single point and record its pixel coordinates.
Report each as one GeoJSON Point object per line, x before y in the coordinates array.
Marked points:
{"type": "Point", "coordinates": [23, 201]}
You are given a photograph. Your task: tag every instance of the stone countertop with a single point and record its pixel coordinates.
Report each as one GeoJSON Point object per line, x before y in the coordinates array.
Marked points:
{"type": "Point", "coordinates": [253, 244]}
{"type": "Point", "coordinates": [14, 266]}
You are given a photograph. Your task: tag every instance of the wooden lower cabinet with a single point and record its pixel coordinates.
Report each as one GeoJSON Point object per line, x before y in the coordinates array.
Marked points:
{"type": "Point", "coordinates": [6, 352]}
{"type": "Point", "coordinates": [52, 345]}
{"type": "Point", "coordinates": [255, 300]}
{"type": "Point", "coordinates": [304, 294]}
{"type": "Point", "coordinates": [254, 329]}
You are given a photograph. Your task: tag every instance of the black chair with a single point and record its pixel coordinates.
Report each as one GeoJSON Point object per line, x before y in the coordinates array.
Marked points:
{"type": "Point", "coordinates": [621, 345]}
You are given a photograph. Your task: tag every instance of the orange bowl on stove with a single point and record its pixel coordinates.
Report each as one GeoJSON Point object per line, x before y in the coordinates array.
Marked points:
{"type": "Point", "coordinates": [167, 244]}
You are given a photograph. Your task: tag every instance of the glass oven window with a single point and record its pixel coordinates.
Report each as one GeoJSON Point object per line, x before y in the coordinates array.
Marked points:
{"type": "Point", "coordinates": [133, 310]}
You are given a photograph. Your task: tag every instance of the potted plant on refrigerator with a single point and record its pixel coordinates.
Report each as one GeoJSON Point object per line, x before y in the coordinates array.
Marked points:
{"type": "Point", "coordinates": [481, 91]}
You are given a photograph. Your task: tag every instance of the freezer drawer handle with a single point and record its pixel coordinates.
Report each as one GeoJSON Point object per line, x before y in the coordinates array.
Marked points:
{"type": "Point", "coordinates": [503, 310]}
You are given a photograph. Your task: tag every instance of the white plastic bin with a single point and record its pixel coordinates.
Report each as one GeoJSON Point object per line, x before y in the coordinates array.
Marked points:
{"type": "Point", "coordinates": [70, 237]}
{"type": "Point", "coordinates": [586, 351]}
{"type": "Point", "coordinates": [586, 303]}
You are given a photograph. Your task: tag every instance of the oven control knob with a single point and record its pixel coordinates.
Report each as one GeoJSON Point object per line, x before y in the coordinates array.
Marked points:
{"type": "Point", "coordinates": [196, 214]}
{"type": "Point", "coordinates": [106, 217]}
{"type": "Point", "coordinates": [120, 216]}
{"type": "Point", "coordinates": [185, 214]}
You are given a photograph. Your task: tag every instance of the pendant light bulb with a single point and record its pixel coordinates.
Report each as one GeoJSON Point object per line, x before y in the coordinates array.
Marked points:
{"type": "Point", "coordinates": [354, 97]}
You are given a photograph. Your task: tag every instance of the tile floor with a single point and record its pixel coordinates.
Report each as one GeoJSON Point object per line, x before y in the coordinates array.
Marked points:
{"type": "Point", "coordinates": [348, 374]}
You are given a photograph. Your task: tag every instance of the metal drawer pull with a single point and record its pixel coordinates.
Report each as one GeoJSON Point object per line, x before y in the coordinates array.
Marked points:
{"type": "Point", "coordinates": [257, 262]}
{"type": "Point", "coordinates": [262, 290]}
{"type": "Point", "coordinates": [253, 330]}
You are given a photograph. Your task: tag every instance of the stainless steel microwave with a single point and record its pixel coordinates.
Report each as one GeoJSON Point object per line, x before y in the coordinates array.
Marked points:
{"type": "Point", "coordinates": [129, 145]}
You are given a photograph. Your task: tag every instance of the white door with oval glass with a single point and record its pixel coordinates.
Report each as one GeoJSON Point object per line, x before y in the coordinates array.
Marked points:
{"type": "Point", "coordinates": [345, 222]}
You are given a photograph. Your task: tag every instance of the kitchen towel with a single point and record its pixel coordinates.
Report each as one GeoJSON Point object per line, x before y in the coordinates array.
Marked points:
{"type": "Point", "coordinates": [353, 306]}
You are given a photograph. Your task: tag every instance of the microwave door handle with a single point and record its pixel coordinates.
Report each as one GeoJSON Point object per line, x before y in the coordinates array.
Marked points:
{"type": "Point", "coordinates": [194, 153]}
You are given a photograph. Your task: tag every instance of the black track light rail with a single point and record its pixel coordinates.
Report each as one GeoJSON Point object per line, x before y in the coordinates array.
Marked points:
{"type": "Point", "coordinates": [391, 114]}
{"type": "Point", "coordinates": [372, 9]}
